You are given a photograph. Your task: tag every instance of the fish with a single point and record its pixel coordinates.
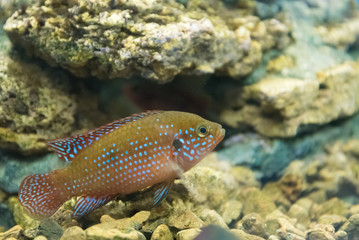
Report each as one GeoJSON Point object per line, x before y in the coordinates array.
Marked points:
{"type": "Point", "coordinates": [149, 149]}
{"type": "Point", "coordinates": [214, 232]}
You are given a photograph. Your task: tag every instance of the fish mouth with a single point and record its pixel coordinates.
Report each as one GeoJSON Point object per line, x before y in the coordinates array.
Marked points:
{"type": "Point", "coordinates": [221, 133]}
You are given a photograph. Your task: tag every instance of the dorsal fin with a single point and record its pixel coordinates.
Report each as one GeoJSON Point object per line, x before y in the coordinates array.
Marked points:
{"type": "Point", "coordinates": [68, 148]}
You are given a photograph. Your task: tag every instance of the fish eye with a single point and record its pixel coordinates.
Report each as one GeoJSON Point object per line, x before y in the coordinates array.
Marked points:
{"type": "Point", "coordinates": [202, 130]}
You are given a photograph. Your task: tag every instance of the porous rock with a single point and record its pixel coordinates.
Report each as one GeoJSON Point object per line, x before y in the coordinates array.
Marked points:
{"type": "Point", "coordinates": [295, 103]}
{"type": "Point", "coordinates": [162, 232]}
{"type": "Point", "coordinates": [341, 35]}
{"type": "Point", "coordinates": [321, 232]}
{"type": "Point", "coordinates": [74, 232]}
{"type": "Point", "coordinates": [253, 224]}
{"type": "Point", "coordinates": [157, 40]}
{"type": "Point", "coordinates": [240, 234]}
{"type": "Point", "coordinates": [126, 228]}
{"type": "Point", "coordinates": [351, 227]}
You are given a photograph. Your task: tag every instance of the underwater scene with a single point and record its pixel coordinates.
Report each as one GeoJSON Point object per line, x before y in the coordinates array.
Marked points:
{"type": "Point", "coordinates": [179, 119]}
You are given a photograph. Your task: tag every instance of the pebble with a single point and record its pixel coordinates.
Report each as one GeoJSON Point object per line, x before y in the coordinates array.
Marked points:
{"type": "Point", "coordinates": [231, 210]}
{"type": "Point", "coordinates": [188, 234]}
{"type": "Point", "coordinates": [253, 224]}
{"type": "Point", "coordinates": [40, 237]}
{"type": "Point", "coordinates": [242, 235]}
{"type": "Point", "coordinates": [185, 220]}
{"type": "Point", "coordinates": [162, 232]}
{"type": "Point", "coordinates": [212, 217]}
{"type": "Point", "coordinates": [74, 232]}
{"type": "Point", "coordinates": [351, 227]}
{"type": "Point", "coordinates": [335, 220]}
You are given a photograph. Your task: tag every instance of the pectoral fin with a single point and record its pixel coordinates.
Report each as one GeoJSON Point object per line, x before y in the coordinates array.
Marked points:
{"type": "Point", "coordinates": [161, 191]}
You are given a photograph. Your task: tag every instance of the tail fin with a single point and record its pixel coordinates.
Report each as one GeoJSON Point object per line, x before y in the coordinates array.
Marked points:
{"type": "Point", "coordinates": [39, 195]}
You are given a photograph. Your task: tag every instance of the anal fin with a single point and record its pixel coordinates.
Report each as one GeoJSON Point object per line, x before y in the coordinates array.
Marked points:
{"type": "Point", "coordinates": [161, 191]}
{"type": "Point", "coordinates": [87, 204]}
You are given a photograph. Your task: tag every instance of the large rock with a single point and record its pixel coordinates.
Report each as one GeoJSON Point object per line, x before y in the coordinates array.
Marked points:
{"type": "Point", "coordinates": [156, 39]}
{"type": "Point", "coordinates": [281, 107]}
{"type": "Point", "coordinates": [38, 103]}
{"type": "Point", "coordinates": [342, 35]}
{"type": "Point", "coordinates": [119, 229]}
{"type": "Point", "coordinates": [268, 157]}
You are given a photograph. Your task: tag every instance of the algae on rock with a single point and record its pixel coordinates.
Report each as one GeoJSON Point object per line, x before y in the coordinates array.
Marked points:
{"type": "Point", "coordinates": [282, 107]}
{"type": "Point", "coordinates": [157, 40]}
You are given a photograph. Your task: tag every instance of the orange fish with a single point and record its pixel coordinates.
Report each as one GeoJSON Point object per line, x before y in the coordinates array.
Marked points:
{"type": "Point", "coordinates": [147, 149]}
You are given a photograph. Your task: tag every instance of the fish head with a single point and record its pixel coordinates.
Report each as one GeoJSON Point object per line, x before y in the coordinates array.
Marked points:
{"type": "Point", "coordinates": [194, 138]}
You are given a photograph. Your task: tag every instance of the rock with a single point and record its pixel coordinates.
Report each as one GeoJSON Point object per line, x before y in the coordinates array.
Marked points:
{"type": "Point", "coordinates": [209, 216]}
{"type": "Point", "coordinates": [74, 232]}
{"type": "Point", "coordinates": [253, 224]}
{"type": "Point", "coordinates": [27, 111]}
{"type": "Point", "coordinates": [354, 209]}
{"type": "Point", "coordinates": [244, 236]}
{"type": "Point", "coordinates": [14, 232]}
{"type": "Point", "coordinates": [65, 218]}
{"type": "Point", "coordinates": [295, 102]}
{"type": "Point", "coordinates": [162, 232]}
{"type": "Point", "coordinates": [335, 220]}
{"type": "Point", "coordinates": [300, 213]}
{"type": "Point", "coordinates": [188, 234]}
{"type": "Point", "coordinates": [244, 176]}
{"type": "Point", "coordinates": [321, 232]}
{"type": "Point", "coordinates": [31, 233]}
{"type": "Point", "coordinates": [185, 220]}
{"type": "Point", "coordinates": [9, 7]}
{"type": "Point", "coordinates": [341, 35]}
{"type": "Point", "coordinates": [211, 187]}
{"type": "Point", "coordinates": [268, 157]}
{"type": "Point", "coordinates": [38, 103]}
{"type": "Point", "coordinates": [50, 229]}
{"type": "Point", "coordinates": [231, 210]}
{"type": "Point", "coordinates": [281, 225]}
{"type": "Point", "coordinates": [40, 238]}
{"type": "Point", "coordinates": [341, 235]}
{"type": "Point", "coordinates": [123, 228]}
{"type": "Point", "coordinates": [280, 64]}
{"type": "Point", "coordinates": [158, 41]}
{"type": "Point", "coordinates": [333, 206]}
{"type": "Point", "coordinates": [258, 202]}
{"type": "Point", "coordinates": [351, 227]}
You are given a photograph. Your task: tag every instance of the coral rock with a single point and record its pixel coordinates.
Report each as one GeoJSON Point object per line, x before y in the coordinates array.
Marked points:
{"type": "Point", "coordinates": [162, 232]}
{"type": "Point", "coordinates": [14, 233]}
{"type": "Point", "coordinates": [253, 224]}
{"type": "Point", "coordinates": [123, 228]}
{"type": "Point", "coordinates": [321, 232]}
{"type": "Point", "coordinates": [335, 220]}
{"type": "Point", "coordinates": [295, 103]}
{"type": "Point", "coordinates": [74, 232]}
{"type": "Point", "coordinates": [185, 220]}
{"type": "Point", "coordinates": [158, 40]}
{"type": "Point", "coordinates": [351, 227]}
{"type": "Point", "coordinates": [258, 202]}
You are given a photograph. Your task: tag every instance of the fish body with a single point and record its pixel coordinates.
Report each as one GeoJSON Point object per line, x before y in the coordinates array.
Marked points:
{"type": "Point", "coordinates": [148, 149]}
